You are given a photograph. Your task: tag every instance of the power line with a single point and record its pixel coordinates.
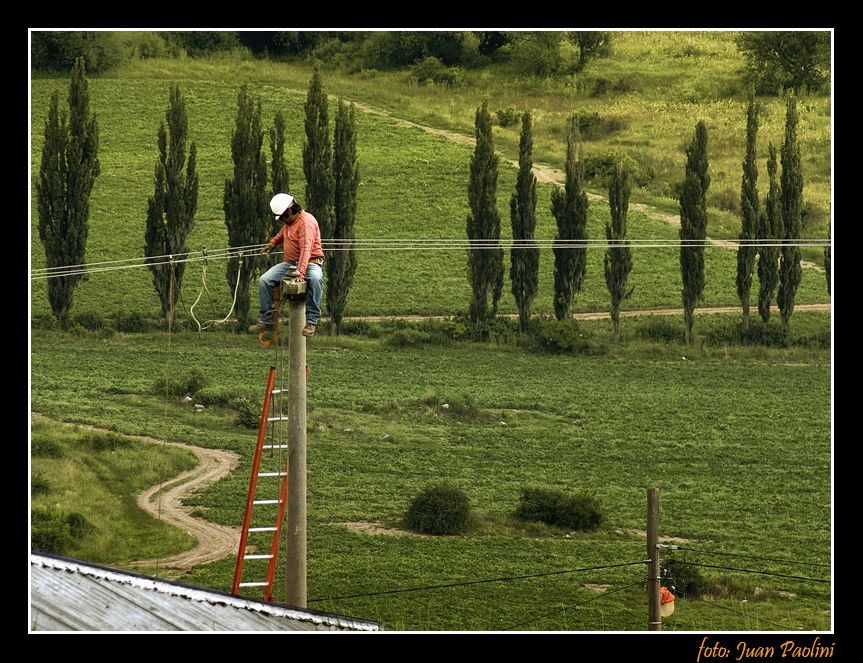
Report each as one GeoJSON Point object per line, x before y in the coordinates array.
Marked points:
{"type": "Point", "coordinates": [574, 605]}
{"type": "Point", "coordinates": [766, 559]}
{"type": "Point", "coordinates": [412, 244]}
{"type": "Point", "coordinates": [473, 582]}
{"type": "Point", "coordinates": [739, 612]}
{"type": "Point", "coordinates": [764, 573]}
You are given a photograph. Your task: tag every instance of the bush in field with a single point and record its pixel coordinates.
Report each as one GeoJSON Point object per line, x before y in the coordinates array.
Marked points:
{"type": "Point", "coordinates": [54, 532]}
{"type": "Point", "coordinates": [432, 70]}
{"type": "Point", "coordinates": [105, 441]}
{"type": "Point", "coordinates": [131, 323]}
{"type": "Point", "coordinates": [439, 509]}
{"type": "Point", "coordinates": [507, 117]}
{"type": "Point", "coordinates": [554, 507]}
{"type": "Point", "coordinates": [179, 385]}
{"type": "Point", "coordinates": [683, 579]}
{"type": "Point", "coordinates": [248, 413]}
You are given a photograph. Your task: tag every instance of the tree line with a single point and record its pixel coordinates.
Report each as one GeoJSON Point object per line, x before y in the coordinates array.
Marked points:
{"type": "Point", "coordinates": [775, 221]}
{"type": "Point", "coordinates": [777, 60]}
{"type": "Point", "coordinates": [70, 165]}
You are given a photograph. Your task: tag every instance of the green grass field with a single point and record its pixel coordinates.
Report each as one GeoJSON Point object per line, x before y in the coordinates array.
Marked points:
{"type": "Point", "coordinates": [738, 444]}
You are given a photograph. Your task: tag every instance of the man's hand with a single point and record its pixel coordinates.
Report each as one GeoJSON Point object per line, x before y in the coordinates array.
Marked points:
{"type": "Point", "coordinates": [299, 279]}
{"type": "Point", "coordinates": [267, 249]}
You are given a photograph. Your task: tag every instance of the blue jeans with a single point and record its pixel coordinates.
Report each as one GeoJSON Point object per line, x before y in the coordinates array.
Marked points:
{"type": "Point", "coordinates": [275, 275]}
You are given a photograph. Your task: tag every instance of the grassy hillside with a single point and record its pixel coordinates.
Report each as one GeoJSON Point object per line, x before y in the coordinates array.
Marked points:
{"type": "Point", "coordinates": [714, 431]}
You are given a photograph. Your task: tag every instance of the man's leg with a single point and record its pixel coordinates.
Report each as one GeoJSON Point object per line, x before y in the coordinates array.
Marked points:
{"type": "Point", "coordinates": [268, 281]}
{"type": "Point", "coordinates": [314, 293]}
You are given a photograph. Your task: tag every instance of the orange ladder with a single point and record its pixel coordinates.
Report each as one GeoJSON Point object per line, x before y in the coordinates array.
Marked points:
{"type": "Point", "coordinates": [280, 502]}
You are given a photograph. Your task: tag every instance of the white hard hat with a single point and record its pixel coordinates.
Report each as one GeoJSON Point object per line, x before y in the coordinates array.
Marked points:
{"type": "Point", "coordinates": [281, 202]}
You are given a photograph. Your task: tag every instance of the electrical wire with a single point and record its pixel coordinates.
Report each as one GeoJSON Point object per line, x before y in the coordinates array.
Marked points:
{"type": "Point", "coordinates": [574, 605]}
{"type": "Point", "coordinates": [766, 559]}
{"type": "Point", "coordinates": [473, 582]}
{"type": "Point", "coordinates": [764, 573]}
{"type": "Point", "coordinates": [418, 244]}
{"type": "Point", "coordinates": [739, 612]}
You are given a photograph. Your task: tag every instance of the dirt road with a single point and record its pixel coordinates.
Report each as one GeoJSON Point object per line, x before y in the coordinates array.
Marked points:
{"type": "Point", "coordinates": [214, 541]}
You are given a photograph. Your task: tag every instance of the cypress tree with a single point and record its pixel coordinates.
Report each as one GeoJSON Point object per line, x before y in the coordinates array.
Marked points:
{"type": "Point", "coordinates": [769, 228]}
{"type": "Point", "coordinates": [247, 213]}
{"type": "Point", "coordinates": [524, 255]}
{"type": "Point", "coordinates": [693, 225]}
{"type": "Point", "coordinates": [279, 179]}
{"type": "Point", "coordinates": [485, 260]}
{"type": "Point", "coordinates": [749, 212]}
{"type": "Point", "coordinates": [569, 207]}
{"type": "Point", "coordinates": [318, 157]}
{"type": "Point", "coordinates": [69, 167]}
{"type": "Point", "coordinates": [790, 271]}
{"type": "Point", "coordinates": [342, 263]}
{"type": "Point", "coordinates": [171, 210]}
{"type": "Point", "coordinates": [618, 256]}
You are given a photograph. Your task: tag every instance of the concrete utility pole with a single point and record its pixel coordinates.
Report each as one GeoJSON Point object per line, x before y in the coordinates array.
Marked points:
{"type": "Point", "coordinates": [295, 291]}
{"type": "Point", "coordinates": [654, 617]}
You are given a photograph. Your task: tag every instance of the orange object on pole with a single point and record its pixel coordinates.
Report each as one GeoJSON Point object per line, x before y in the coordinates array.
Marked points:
{"type": "Point", "coordinates": [666, 601]}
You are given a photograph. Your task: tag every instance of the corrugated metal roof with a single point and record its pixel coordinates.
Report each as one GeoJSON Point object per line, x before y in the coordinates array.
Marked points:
{"type": "Point", "coordinates": [70, 595]}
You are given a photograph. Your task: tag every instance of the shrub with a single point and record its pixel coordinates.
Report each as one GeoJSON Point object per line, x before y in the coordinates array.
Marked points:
{"type": "Point", "coordinates": [431, 70]}
{"type": "Point", "coordinates": [359, 328]}
{"type": "Point", "coordinates": [539, 504]}
{"type": "Point", "coordinates": [464, 406]}
{"type": "Point", "coordinates": [42, 446]}
{"type": "Point", "coordinates": [506, 117]}
{"type": "Point", "coordinates": [660, 328]}
{"type": "Point", "coordinates": [593, 126]}
{"type": "Point", "coordinates": [578, 512]}
{"type": "Point", "coordinates": [439, 509]}
{"type": "Point", "coordinates": [130, 323]}
{"type": "Point", "coordinates": [562, 337]}
{"type": "Point", "coordinates": [54, 532]}
{"type": "Point", "coordinates": [89, 320]}
{"type": "Point", "coordinates": [402, 338]}
{"type": "Point", "coordinates": [49, 532]}
{"type": "Point", "coordinates": [179, 385]}
{"type": "Point", "coordinates": [248, 413]}
{"type": "Point", "coordinates": [105, 441]}
{"type": "Point", "coordinates": [681, 578]}
{"type": "Point", "coordinates": [39, 485]}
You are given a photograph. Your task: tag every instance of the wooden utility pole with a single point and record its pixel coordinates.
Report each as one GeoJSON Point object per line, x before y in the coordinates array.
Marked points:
{"type": "Point", "coordinates": [654, 618]}
{"type": "Point", "coordinates": [296, 534]}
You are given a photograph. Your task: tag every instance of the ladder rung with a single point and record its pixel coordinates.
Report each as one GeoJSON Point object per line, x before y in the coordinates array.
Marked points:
{"type": "Point", "coordinates": [257, 556]}
{"type": "Point", "coordinates": [272, 474]}
{"type": "Point", "coordinates": [254, 584]}
{"type": "Point", "coordinates": [263, 529]}
{"type": "Point", "coordinates": [277, 418]}
{"type": "Point", "coordinates": [267, 502]}
{"type": "Point", "coordinates": [279, 391]}
{"type": "Point", "coordinates": [275, 446]}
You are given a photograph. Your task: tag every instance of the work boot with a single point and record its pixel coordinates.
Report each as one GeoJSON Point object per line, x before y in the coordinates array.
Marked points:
{"type": "Point", "coordinates": [309, 330]}
{"type": "Point", "coordinates": [259, 327]}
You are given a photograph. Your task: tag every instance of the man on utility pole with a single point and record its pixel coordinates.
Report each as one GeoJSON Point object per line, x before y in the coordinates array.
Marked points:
{"type": "Point", "coordinates": [301, 238]}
